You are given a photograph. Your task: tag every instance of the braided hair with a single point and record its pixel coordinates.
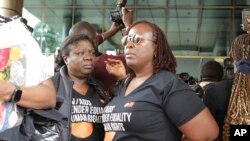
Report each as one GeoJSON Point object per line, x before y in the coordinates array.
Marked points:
{"type": "Point", "coordinates": [239, 104]}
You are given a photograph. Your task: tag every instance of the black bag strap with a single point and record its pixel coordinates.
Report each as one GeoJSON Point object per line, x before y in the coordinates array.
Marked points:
{"type": "Point", "coordinates": [56, 81]}
{"type": "Point", "coordinates": [97, 85]}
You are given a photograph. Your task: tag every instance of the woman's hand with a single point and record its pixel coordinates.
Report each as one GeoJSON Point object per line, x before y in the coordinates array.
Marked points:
{"type": "Point", "coordinates": [6, 90]}
{"type": "Point", "coordinates": [127, 17]}
{"type": "Point", "coordinates": [115, 68]}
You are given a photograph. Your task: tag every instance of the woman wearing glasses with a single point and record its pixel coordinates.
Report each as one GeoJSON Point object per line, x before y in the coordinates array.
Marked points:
{"type": "Point", "coordinates": [152, 103]}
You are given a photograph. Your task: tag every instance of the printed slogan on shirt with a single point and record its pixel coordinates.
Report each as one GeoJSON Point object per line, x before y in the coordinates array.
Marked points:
{"type": "Point", "coordinates": [115, 120]}
{"type": "Point", "coordinates": [83, 111]}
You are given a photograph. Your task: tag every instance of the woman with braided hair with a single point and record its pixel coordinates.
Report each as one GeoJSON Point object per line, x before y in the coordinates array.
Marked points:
{"type": "Point", "coordinates": [229, 100]}
{"type": "Point", "coordinates": [239, 104]}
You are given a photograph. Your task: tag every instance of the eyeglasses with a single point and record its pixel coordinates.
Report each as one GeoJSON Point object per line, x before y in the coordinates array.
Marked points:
{"type": "Point", "coordinates": [134, 38]}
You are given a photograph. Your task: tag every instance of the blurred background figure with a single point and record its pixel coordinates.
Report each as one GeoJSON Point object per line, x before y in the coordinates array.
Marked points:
{"type": "Point", "coordinates": [192, 82]}
{"type": "Point", "coordinates": [211, 71]}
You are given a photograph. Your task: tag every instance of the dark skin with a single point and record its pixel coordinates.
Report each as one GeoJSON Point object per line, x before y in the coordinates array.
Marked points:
{"type": "Point", "coordinates": [139, 57]}
{"type": "Point", "coordinates": [88, 29]}
{"type": "Point", "coordinates": [38, 97]}
{"type": "Point", "coordinates": [45, 94]}
{"type": "Point", "coordinates": [80, 62]}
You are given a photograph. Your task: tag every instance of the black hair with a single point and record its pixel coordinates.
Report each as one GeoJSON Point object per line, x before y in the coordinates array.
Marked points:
{"type": "Point", "coordinates": [65, 48]}
{"type": "Point", "coordinates": [212, 71]}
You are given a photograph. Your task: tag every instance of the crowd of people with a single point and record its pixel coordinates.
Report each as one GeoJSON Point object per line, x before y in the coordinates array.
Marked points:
{"type": "Point", "coordinates": [137, 95]}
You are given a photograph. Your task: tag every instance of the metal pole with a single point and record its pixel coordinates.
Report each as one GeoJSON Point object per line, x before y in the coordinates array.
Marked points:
{"type": "Point", "coordinates": [10, 8]}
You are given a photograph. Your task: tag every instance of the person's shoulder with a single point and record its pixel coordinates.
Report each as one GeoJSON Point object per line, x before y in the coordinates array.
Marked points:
{"type": "Point", "coordinates": [56, 76]}
{"type": "Point", "coordinates": [168, 77]}
{"type": "Point", "coordinates": [223, 86]}
{"type": "Point", "coordinates": [166, 73]}
{"type": "Point", "coordinates": [223, 83]}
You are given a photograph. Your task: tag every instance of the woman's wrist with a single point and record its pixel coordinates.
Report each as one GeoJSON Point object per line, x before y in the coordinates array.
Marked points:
{"type": "Point", "coordinates": [7, 97]}
{"type": "Point", "coordinates": [10, 91]}
{"type": "Point", "coordinates": [103, 37]}
{"type": "Point", "coordinates": [127, 27]}
{"type": "Point", "coordinates": [16, 94]}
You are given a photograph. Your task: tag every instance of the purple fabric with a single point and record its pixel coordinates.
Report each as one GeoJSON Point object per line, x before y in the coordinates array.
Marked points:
{"type": "Point", "coordinates": [243, 66]}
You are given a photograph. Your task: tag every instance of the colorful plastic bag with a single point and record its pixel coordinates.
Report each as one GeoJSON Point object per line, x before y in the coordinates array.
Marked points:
{"type": "Point", "coordinates": [22, 63]}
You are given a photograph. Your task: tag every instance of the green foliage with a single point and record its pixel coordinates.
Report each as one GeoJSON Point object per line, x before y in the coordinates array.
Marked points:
{"type": "Point", "coordinates": [46, 37]}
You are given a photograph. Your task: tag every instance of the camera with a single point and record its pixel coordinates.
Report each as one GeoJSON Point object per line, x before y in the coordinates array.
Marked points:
{"type": "Point", "coordinates": [116, 15]}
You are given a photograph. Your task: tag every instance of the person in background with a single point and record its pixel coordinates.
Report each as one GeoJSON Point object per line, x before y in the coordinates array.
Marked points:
{"type": "Point", "coordinates": [216, 97]}
{"type": "Point", "coordinates": [229, 100]}
{"type": "Point", "coordinates": [192, 82]}
{"type": "Point", "coordinates": [153, 90]}
{"type": "Point", "coordinates": [211, 72]}
{"type": "Point", "coordinates": [100, 73]}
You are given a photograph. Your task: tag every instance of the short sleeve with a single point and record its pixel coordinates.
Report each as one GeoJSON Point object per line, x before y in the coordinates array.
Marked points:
{"type": "Point", "coordinates": [181, 103]}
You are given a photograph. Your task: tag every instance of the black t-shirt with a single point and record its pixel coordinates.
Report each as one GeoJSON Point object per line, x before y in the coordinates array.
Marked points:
{"type": "Point", "coordinates": [153, 111]}
{"type": "Point", "coordinates": [86, 122]}
{"type": "Point", "coordinates": [216, 98]}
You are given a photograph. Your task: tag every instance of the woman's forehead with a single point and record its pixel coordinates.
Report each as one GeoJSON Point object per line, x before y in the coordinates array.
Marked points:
{"type": "Point", "coordinates": [141, 28]}
{"type": "Point", "coordinates": [82, 44]}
